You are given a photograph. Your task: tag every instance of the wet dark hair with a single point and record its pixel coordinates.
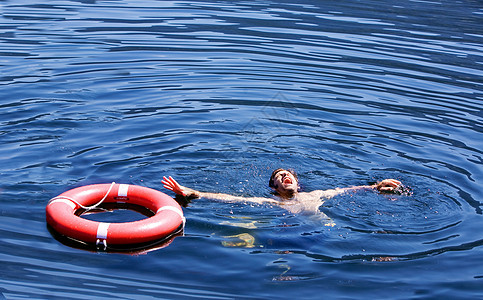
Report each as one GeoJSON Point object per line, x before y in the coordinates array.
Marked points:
{"type": "Point", "coordinates": [271, 184]}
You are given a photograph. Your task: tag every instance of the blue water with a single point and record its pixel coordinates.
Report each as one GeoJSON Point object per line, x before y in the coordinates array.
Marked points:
{"type": "Point", "coordinates": [217, 94]}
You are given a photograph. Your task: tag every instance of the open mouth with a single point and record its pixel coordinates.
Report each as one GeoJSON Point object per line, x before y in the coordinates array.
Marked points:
{"type": "Point", "coordinates": [287, 180]}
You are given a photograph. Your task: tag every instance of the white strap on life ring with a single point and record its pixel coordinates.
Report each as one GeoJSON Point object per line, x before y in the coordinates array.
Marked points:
{"type": "Point", "coordinates": [102, 234]}
{"type": "Point", "coordinates": [102, 230]}
{"type": "Point", "coordinates": [123, 189]}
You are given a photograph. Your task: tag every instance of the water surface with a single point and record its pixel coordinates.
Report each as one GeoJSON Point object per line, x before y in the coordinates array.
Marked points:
{"type": "Point", "coordinates": [217, 95]}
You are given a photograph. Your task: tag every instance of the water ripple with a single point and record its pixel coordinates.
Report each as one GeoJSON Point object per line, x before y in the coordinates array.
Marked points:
{"type": "Point", "coordinates": [217, 94]}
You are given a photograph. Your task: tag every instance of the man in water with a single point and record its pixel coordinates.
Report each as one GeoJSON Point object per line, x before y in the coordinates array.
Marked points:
{"type": "Point", "coordinates": [285, 186]}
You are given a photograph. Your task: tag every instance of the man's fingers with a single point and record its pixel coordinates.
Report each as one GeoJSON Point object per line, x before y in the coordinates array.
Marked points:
{"type": "Point", "coordinates": [395, 182]}
{"type": "Point", "coordinates": [169, 181]}
{"type": "Point", "coordinates": [390, 182]}
{"type": "Point", "coordinates": [389, 185]}
{"type": "Point", "coordinates": [173, 181]}
{"type": "Point", "coordinates": [168, 184]}
{"type": "Point", "coordinates": [168, 187]}
{"type": "Point", "coordinates": [165, 180]}
{"type": "Point", "coordinates": [172, 185]}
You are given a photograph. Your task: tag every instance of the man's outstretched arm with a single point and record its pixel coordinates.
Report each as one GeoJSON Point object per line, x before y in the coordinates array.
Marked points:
{"type": "Point", "coordinates": [172, 185]}
{"type": "Point", "coordinates": [384, 186]}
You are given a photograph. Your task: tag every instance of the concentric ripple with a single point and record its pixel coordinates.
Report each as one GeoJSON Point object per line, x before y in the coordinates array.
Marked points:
{"type": "Point", "coordinates": [217, 94]}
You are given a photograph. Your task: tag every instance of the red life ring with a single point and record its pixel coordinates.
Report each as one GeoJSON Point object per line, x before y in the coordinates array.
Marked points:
{"type": "Point", "coordinates": [61, 215]}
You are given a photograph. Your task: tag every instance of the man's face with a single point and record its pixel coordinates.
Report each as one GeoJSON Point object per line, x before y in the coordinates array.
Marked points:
{"type": "Point", "coordinates": [284, 181]}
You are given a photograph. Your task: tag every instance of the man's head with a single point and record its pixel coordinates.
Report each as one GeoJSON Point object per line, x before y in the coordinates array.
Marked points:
{"type": "Point", "coordinates": [284, 182]}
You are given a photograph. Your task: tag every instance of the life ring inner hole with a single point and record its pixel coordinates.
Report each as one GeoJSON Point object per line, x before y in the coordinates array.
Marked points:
{"type": "Point", "coordinates": [120, 212]}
